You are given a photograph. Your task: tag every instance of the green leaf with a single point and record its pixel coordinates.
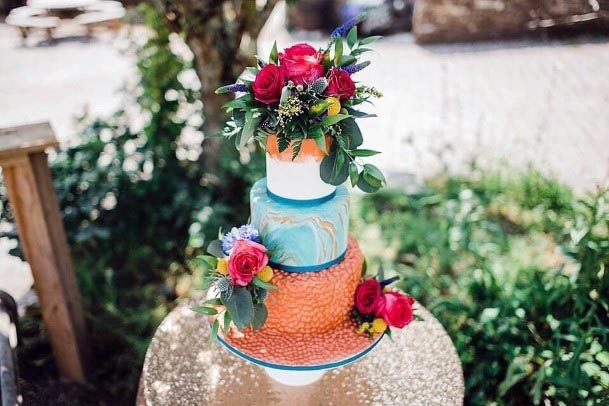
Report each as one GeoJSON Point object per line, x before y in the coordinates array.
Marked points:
{"type": "Point", "coordinates": [215, 249]}
{"type": "Point", "coordinates": [352, 37]}
{"type": "Point", "coordinates": [264, 285]}
{"type": "Point", "coordinates": [331, 120]}
{"type": "Point", "coordinates": [360, 51]}
{"type": "Point", "coordinates": [242, 102]}
{"type": "Point", "coordinates": [260, 315]}
{"type": "Point", "coordinates": [204, 310]}
{"type": "Point", "coordinates": [351, 130]}
{"type": "Point", "coordinates": [359, 114]}
{"type": "Point", "coordinates": [365, 186]}
{"type": "Point", "coordinates": [363, 152]}
{"type": "Point", "coordinates": [222, 89]}
{"type": "Point", "coordinates": [603, 358]}
{"type": "Point", "coordinates": [251, 123]}
{"type": "Point", "coordinates": [273, 58]}
{"type": "Point", "coordinates": [353, 174]}
{"type": "Point", "coordinates": [213, 334]}
{"type": "Point", "coordinates": [333, 169]}
{"type": "Point", "coordinates": [346, 60]}
{"type": "Point", "coordinates": [241, 307]}
{"type": "Point", "coordinates": [214, 301]}
{"type": "Point", "coordinates": [227, 320]}
{"type": "Point", "coordinates": [338, 50]}
{"type": "Point", "coordinates": [374, 172]}
{"type": "Point", "coordinates": [369, 40]}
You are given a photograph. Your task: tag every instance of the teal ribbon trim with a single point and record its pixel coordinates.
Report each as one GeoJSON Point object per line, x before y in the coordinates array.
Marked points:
{"type": "Point", "coordinates": [330, 365]}
{"type": "Point", "coordinates": [302, 203]}
{"type": "Point", "coordinates": [310, 268]}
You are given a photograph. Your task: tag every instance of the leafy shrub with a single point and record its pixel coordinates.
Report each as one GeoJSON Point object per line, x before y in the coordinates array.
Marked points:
{"type": "Point", "coordinates": [137, 200]}
{"type": "Point", "coordinates": [514, 268]}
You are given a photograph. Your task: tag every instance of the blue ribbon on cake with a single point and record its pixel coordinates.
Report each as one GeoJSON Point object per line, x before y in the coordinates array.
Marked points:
{"type": "Point", "coordinates": [310, 268]}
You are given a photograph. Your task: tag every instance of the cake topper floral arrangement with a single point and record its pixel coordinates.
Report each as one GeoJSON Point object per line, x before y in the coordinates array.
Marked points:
{"type": "Point", "coordinates": [307, 93]}
{"type": "Point", "coordinates": [238, 275]}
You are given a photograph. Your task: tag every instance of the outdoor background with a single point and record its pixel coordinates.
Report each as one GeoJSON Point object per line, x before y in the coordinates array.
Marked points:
{"type": "Point", "coordinates": [494, 128]}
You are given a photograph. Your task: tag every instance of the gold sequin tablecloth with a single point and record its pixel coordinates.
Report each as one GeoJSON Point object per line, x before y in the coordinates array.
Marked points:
{"type": "Point", "coordinates": [420, 367]}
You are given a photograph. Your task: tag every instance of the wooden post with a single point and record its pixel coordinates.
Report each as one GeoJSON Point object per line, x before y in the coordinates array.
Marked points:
{"type": "Point", "coordinates": [34, 205]}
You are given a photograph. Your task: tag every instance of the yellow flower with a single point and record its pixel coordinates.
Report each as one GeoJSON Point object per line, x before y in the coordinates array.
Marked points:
{"type": "Point", "coordinates": [266, 274]}
{"type": "Point", "coordinates": [334, 106]}
{"type": "Point", "coordinates": [363, 328]}
{"type": "Point", "coordinates": [379, 326]}
{"type": "Point", "coordinates": [222, 266]}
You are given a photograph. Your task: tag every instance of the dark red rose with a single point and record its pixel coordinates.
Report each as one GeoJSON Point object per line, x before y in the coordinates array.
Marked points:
{"type": "Point", "coordinates": [301, 63]}
{"type": "Point", "coordinates": [396, 309]}
{"type": "Point", "coordinates": [268, 84]}
{"type": "Point", "coordinates": [340, 84]}
{"type": "Point", "coordinates": [246, 260]}
{"type": "Point", "coordinates": [367, 296]}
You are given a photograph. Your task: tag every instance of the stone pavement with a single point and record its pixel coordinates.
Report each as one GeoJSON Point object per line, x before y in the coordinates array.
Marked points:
{"type": "Point", "coordinates": [516, 103]}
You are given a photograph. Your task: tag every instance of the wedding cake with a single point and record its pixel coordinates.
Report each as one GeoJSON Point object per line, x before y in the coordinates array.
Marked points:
{"type": "Point", "coordinates": [288, 291]}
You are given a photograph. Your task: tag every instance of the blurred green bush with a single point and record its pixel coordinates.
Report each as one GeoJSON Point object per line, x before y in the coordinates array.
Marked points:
{"type": "Point", "coordinates": [514, 268]}
{"type": "Point", "coordinates": [137, 201]}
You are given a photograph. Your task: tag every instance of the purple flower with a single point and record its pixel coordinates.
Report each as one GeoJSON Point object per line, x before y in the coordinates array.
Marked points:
{"type": "Point", "coordinates": [245, 232]}
{"type": "Point", "coordinates": [345, 27]}
{"type": "Point", "coordinates": [351, 69]}
{"type": "Point", "coordinates": [236, 88]}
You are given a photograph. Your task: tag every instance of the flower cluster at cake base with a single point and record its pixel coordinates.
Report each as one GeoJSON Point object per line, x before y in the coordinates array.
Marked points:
{"type": "Point", "coordinates": [378, 307]}
{"type": "Point", "coordinates": [237, 275]}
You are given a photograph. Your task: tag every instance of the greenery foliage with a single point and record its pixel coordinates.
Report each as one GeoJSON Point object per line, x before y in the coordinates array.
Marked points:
{"type": "Point", "coordinates": [515, 269]}
{"type": "Point", "coordinates": [137, 202]}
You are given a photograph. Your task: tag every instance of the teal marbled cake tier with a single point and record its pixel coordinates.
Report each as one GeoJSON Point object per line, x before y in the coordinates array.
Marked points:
{"type": "Point", "coordinates": [301, 234]}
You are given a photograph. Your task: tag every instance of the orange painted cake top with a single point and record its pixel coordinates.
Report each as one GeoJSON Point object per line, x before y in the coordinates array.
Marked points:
{"type": "Point", "coordinates": [314, 302]}
{"type": "Point", "coordinates": [308, 149]}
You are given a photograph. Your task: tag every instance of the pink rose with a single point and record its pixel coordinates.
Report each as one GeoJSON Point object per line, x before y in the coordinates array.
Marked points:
{"type": "Point", "coordinates": [396, 309]}
{"type": "Point", "coordinates": [340, 84]}
{"type": "Point", "coordinates": [368, 296]}
{"type": "Point", "coordinates": [301, 63]}
{"type": "Point", "coordinates": [246, 260]}
{"type": "Point", "coordinates": [268, 84]}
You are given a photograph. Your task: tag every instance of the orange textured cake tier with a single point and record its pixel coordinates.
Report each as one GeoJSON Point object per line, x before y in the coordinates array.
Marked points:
{"type": "Point", "coordinates": [314, 302]}
{"type": "Point", "coordinates": [303, 349]}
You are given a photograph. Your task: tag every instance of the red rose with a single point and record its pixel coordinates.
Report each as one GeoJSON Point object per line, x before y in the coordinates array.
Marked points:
{"type": "Point", "coordinates": [246, 260]}
{"type": "Point", "coordinates": [368, 296]}
{"type": "Point", "coordinates": [301, 63]}
{"type": "Point", "coordinates": [396, 309]}
{"type": "Point", "coordinates": [268, 84]}
{"type": "Point", "coordinates": [340, 84]}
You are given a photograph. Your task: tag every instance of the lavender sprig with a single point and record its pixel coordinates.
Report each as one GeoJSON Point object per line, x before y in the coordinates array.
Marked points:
{"type": "Point", "coordinates": [342, 30]}
{"type": "Point", "coordinates": [236, 88]}
{"type": "Point", "coordinates": [351, 69]}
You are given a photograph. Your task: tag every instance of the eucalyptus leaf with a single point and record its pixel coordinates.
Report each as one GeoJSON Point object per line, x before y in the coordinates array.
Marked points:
{"type": "Point", "coordinates": [351, 130]}
{"type": "Point", "coordinates": [331, 120]}
{"type": "Point", "coordinates": [365, 186]}
{"type": "Point", "coordinates": [215, 249]}
{"type": "Point", "coordinates": [251, 123]}
{"type": "Point", "coordinates": [226, 324]}
{"type": "Point", "coordinates": [204, 310]}
{"type": "Point", "coordinates": [369, 40]}
{"type": "Point", "coordinates": [374, 172]}
{"type": "Point", "coordinates": [338, 50]}
{"type": "Point", "coordinates": [333, 173]}
{"type": "Point", "coordinates": [273, 57]}
{"type": "Point", "coordinates": [352, 37]}
{"type": "Point", "coordinates": [363, 152]}
{"type": "Point", "coordinates": [353, 173]}
{"type": "Point", "coordinates": [264, 285]}
{"type": "Point", "coordinates": [213, 334]}
{"type": "Point", "coordinates": [241, 307]}
{"type": "Point", "coordinates": [260, 315]}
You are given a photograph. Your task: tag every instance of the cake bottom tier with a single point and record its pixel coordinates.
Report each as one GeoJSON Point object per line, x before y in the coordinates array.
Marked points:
{"type": "Point", "coordinates": [324, 350]}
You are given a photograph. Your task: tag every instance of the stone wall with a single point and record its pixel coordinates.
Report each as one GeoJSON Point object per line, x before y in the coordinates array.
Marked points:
{"type": "Point", "coordinates": [466, 20]}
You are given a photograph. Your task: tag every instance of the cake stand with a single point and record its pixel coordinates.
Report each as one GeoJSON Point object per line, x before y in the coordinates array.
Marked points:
{"type": "Point", "coordinates": [419, 366]}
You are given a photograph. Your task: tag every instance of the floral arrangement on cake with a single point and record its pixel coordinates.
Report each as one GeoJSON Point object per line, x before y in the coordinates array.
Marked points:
{"type": "Point", "coordinates": [378, 307]}
{"type": "Point", "coordinates": [238, 275]}
{"type": "Point", "coordinates": [307, 93]}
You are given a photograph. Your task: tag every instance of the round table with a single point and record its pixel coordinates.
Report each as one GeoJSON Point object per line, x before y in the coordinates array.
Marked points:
{"type": "Point", "coordinates": [420, 366]}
